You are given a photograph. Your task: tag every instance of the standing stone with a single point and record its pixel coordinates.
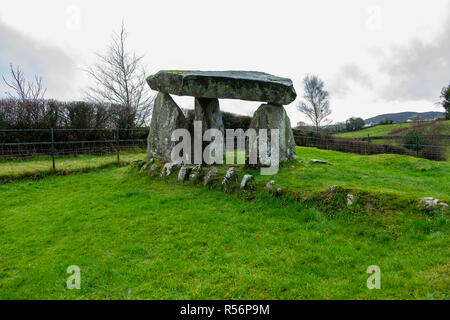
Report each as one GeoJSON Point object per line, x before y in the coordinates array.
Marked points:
{"type": "Point", "coordinates": [168, 168]}
{"type": "Point", "coordinates": [350, 199]}
{"type": "Point", "coordinates": [245, 180]}
{"type": "Point", "coordinates": [211, 176]}
{"type": "Point", "coordinates": [230, 177]}
{"type": "Point", "coordinates": [208, 112]}
{"type": "Point", "coordinates": [167, 117]}
{"type": "Point", "coordinates": [269, 185]}
{"type": "Point", "coordinates": [270, 116]}
{"type": "Point", "coordinates": [184, 172]}
{"type": "Point", "coordinates": [195, 172]}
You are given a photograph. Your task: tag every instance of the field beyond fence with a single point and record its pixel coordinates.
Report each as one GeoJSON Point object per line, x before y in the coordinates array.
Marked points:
{"type": "Point", "coordinates": [422, 146]}
{"type": "Point", "coordinates": [21, 144]}
{"type": "Point", "coordinates": [25, 152]}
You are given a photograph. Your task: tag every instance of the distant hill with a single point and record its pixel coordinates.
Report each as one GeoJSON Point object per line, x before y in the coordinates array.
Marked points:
{"type": "Point", "coordinates": [400, 129]}
{"type": "Point", "coordinates": [401, 117]}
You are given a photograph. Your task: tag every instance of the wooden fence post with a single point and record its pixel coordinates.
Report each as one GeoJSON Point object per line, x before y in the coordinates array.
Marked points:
{"type": "Point", "coordinates": [417, 145]}
{"type": "Point", "coordinates": [117, 146]}
{"type": "Point", "coordinates": [53, 148]}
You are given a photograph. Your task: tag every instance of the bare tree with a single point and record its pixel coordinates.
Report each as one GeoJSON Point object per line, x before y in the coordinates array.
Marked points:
{"type": "Point", "coordinates": [316, 104]}
{"type": "Point", "coordinates": [445, 101]}
{"type": "Point", "coordinates": [118, 77]}
{"type": "Point", "coordinates": [21, 88]}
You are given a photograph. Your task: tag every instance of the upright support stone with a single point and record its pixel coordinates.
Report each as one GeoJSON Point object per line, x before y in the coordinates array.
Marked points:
{"type": "Point", "coordinates": [207, 111]}
{"type": "Point", "coordinates": [167, 117]}
{"type": "Point", "coordinates": [269, 116]}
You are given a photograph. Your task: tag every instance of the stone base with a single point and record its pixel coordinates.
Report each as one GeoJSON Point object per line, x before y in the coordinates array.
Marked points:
{"type": "Point", "coordinates": [270, 116]}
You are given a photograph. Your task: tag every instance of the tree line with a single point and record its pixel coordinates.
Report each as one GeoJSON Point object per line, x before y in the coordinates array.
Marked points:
{"type": "Point", "coordinates": [117, 95]}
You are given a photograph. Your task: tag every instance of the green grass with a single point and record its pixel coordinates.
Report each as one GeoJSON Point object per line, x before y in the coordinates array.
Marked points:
{"type": "Point", "coordinates": [400, 129]}
{"type": "Point", "coordinates": [43, 165]}
{"type": "Point", "coordinates": [138, 237]}
{"type": "Point", "coordinates": [397, 175]}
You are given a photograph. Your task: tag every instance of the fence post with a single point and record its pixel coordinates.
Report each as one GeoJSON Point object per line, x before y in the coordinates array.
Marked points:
{"type": "Point", "coordinates": [53, 148]}
{"type": "Point", "coordinates": [417, 145]}
{"type": "Point", "coordinates": [117, 146]}
{"type": "Point", "coordinates": [368, 143]}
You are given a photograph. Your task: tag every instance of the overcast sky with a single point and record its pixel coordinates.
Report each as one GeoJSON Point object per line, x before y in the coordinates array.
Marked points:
{"type": "Point", "coordinates": [374, 56]}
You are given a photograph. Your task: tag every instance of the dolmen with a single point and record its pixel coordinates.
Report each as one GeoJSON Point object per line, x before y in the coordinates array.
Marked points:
{"type": "Point", "coordinates": [209, 86]}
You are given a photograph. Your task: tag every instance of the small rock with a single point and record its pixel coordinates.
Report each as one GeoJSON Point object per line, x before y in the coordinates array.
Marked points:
{"type": "Point", "coordinates": [210, 176]}
{"type": "Point", "coordinates": [269, 185]}
{"type": "Point", "coordinates": [230, 177]}
{"type": "Point", "coordinates": [245, 180]}
{"type": "Point", "coordinates": [333, 188]}
{"type": "Point", "coordinates": [195, 172]}
{"type": "Point", "coordinates": [144, 167]}
{"type": "Point", "coordinates": [184, 172]}
{"type": "Point", "coordinates": [137, 164]}
{"type": "Point", "coordinates": [319, 161]}
{"type": "Point", "coordinates": [279, 192]}
{"type": "Point", "coordinates": [428, 203]}
{"type": "Point", "coordinates": [443, 205]}
{"type": "Point", "coordinates": [153, 168]}
{"type": "Point", "coordinates": [169, 168]}
{"type": "Point", "coordinates": [386, 179]}
{"type": "Point", "coordinates": [350, 199]}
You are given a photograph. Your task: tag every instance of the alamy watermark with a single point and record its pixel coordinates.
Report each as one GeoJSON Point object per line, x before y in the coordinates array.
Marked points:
{"type": "Point", "coordinates": [374, 281]}
{"type": "Point", "coordinates": [73, 21]}
{"type": "Point", "coordinates": [74, 281]}
{"type": "Point", "coordinates": [260, 149]}
{"type": "Point", "coordinates": [374, 20]}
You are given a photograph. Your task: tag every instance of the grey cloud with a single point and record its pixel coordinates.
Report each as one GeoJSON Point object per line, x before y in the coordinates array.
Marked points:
{"type": "Point", "coordinates": [347, 76]}
{"type": "Point", "coordinates": [418, 70]}
{"type": "Point", "coordinates": [55, 66]}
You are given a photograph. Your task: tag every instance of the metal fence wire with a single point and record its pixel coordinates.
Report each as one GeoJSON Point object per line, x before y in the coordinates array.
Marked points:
{"type": "Point", "coordinates": [22, 144]}
{"type": "Point", "coordinates": [422, 146]}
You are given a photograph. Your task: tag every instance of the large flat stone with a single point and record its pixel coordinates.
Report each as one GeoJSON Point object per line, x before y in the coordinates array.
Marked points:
{"type": "Point", "coordinates": [243, 85]}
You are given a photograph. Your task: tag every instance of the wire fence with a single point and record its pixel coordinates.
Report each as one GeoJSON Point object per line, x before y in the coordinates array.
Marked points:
{"type": "Point", "coordinates": [422, 146]}
{"type": "Point", "coordinates": [54, 143]}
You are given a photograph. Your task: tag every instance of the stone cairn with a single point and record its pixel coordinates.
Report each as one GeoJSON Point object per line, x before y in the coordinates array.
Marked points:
{"type": "Point", "coordinates": [207, 87]}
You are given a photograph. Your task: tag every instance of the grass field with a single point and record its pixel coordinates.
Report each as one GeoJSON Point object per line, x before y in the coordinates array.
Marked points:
{"type": "Point", "coordinates": [134, 236]}
{"type": "Point", "coordinates": [430, 128]}
{"type": "Point", "coordinates": [43, 165]}
{"type": "Point", "coordinates": [400, 129]}
{"type": "Point", "coordinates": [399, 175]}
